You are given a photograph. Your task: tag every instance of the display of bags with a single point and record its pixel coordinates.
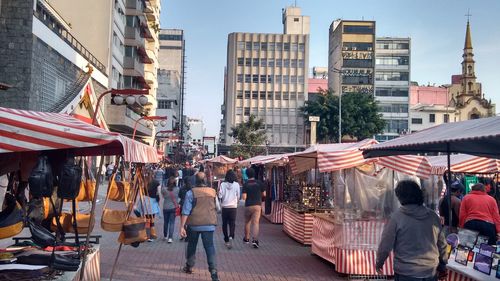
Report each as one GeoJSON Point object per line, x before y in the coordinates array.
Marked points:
{"type": "Point", "coordinates": [40, 235]}
{"type": "Point", "coordinates": [66, 220]}
{"type": "Point", "coordinates": [11, 218]}
{"type": "Point", "coordinates": [119, 190]}
{"type": "Point", "coordinates": [69, 180]}
{"type": "Point", "coordinates": [41, 179]}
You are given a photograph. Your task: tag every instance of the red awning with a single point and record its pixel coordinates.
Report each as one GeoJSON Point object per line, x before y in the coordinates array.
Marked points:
{"type": "Point", "coordinates": [28, 131]}
{"type": "Point", "coordinates": [330, 157]}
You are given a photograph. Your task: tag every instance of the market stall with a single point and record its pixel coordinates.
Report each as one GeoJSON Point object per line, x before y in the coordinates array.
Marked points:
{"type": "Point", "coordinates": [30, 138]}
{"type": "Point", "coordinates": [217, 168]}
{"type": "Point", "coordinates": [480, 137]}
{"type": "Point", "coordinates": [313, 184]}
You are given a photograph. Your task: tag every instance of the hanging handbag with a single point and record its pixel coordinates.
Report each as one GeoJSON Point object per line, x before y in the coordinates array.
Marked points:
{"type": "Point", "coordinates": [134, 231]}
{"type": "Point", "coordinates": [67, 222]}
{"type": "Point", "coordinates": [177, 208]}
{"type": "Point", "coordinates": [41, 179]}
{"type": "Point", "coordinates": [118, 190]}
{"type": "Point", "coordinates": [40, 235]}
{"type": "Point", "coordinates": [70, 180]}
{"type": "Point", "coordinates": [11, 218]}
{"type": "Point", "coordinates": [113, 220]}
{"type": "Point", "coordinates": [87, 185]}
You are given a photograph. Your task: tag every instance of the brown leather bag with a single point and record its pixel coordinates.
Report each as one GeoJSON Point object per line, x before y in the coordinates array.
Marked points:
{"type": "Point", "coordinates": [66, 220]}
{"type": "Point", "coordinates": [118, 190]}
{"type": "Point", "coordinates": [113, 220]}
{"type": "Point", "coordinates": [87, 185]}
{"type": "Point", "coordinates": [134, 231]}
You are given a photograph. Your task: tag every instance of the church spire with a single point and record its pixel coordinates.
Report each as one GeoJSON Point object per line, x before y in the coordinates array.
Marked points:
{"type": "Point", "coordinates": [468, 40]}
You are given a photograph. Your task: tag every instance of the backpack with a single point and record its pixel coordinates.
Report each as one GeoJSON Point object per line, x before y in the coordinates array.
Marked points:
{"type": "Point", "coordinates": [69, 180]}
{"type": "Point", "coordinates": [41, 179]}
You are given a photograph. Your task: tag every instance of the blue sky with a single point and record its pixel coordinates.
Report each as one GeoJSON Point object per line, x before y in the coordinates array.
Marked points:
{"type": "Point", "coordinates": [436, 28]}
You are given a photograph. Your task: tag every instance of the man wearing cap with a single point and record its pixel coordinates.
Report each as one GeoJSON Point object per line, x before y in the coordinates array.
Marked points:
{"type": "Point", "coordinates": [444, 211]}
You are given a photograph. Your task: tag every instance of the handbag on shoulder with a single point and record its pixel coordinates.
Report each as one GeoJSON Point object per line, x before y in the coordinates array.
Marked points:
{"type": "Point", "coordinates": [41, 181]}
{"type": "Point", "coordinates": [11, 218]}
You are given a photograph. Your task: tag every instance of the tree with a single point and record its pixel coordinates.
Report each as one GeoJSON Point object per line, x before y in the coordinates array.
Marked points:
{"type": "Point", "coordinates": [360, 117]}
{"type": "Point", "coordinates": [250, 138]}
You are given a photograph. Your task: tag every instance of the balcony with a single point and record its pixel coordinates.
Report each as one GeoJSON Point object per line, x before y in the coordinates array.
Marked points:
{"type": "Point", "coordinates": [133, 37]}
{"type": "Point", "coordinates": [122, 119]}
{"type": "Point", "coordinates": [146, 32]}
{"type": "Point", "coordinates": [151, 11]}
{"type": "Point", "coordinates": [133, 67]}
{"type": "Point", "coordinates": [134, 8]}
{"type": "Point", "coordinates": [150, 76]}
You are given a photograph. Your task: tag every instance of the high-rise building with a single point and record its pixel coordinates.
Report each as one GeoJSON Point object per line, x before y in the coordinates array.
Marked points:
{"type": "Point", "coordinates": [351, 56]}
{"type": "Point", "coordinates": [266, 76]}
{"type": "Point", "coordinates": [45, 61]}
{"type": "Point", "coordinates": [392, 82]}
{"type": "Point", "coordinates": [171, 78]}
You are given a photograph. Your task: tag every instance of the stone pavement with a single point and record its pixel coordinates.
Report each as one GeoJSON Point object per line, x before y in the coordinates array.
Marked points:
{"type": "Point", "coordinates": [279, 258]}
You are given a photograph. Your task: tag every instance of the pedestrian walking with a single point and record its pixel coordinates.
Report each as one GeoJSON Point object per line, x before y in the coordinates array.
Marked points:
{"type": "Point", "coordinates": [151, 207]}
{"type": "Point", "coordinates": [170, 194]}
{"type": "Point", "coordinates": [229, 195]}
{"type": "Point", "coordinates": [253, 192]}
{"type": "Point", "coordinates": [479, 212]}
{"type": "Point", "coordinates": [199, 214]}
{"type": "Point", "coordinates": [415, 236]}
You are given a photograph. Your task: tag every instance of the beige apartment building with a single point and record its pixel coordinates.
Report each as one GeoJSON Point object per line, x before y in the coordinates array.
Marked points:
{"type": "Point", "coordinates": [351, 56]}
{"type": "Point", "coordinates": [266, 76]}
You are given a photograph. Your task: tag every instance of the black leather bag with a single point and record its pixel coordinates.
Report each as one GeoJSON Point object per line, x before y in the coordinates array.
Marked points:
{"type": "Point", "coordinates": [55, 261]}
{"type": "Point", "coordinates": [40, 235]}
{"type": "Point", "coordinates": [41, 179]}
{"type": "Point", "coordinates": [11, 218]}
{"type": "Point", "coordinates": [69, 180]}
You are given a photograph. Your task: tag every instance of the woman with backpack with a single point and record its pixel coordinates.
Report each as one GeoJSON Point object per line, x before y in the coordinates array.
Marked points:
{"type": "Point", "coordinates": [170, 194]}
{"type": "Point", "coordinates": [229, 195]}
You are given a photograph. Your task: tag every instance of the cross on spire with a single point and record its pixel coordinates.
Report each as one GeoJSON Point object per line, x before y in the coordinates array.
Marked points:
{"type": "Point", "coordinates": [468, 15]}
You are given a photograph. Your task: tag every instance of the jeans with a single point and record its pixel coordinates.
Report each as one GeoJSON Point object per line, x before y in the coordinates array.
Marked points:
{"type": "Point", "coordinates": [228, 219]}
{"type": "Point", "coordinates": [484, 228]}
{"type": "Point", "coordinates": [399, 277]}
{"type": "Point", "coordinates": [168, 223]}
{"type": "Point", "coordinates": [207, 237]}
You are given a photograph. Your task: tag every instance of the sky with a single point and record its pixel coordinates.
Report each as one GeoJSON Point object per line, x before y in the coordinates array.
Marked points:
{"type": "Point", "coordinates": [436, 29]}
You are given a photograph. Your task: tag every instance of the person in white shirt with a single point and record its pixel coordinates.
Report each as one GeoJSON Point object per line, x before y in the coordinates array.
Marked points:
{"type": "Point", "coordinates": [229, 194]}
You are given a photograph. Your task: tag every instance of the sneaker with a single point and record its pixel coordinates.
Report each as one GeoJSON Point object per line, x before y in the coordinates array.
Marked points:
{"type": "Point", "coordinates": [164, 238]}
{"type": "Point", "coordinates": [226, 244]}
{"type": "Point", "coordinates": [169, 240]}
{"type": "Point", "coordinates": [187, 269]}
{"type": "Point", "coordinates": [246, 241]}
{"type": "Point", "coordinates": [255, 244]}
{"type": "Point", "coordinates": [214, 276]}
{"type": "Point", "coordinates": [230, 243]}
{"type": "Point", "coordinates": [150, 240]}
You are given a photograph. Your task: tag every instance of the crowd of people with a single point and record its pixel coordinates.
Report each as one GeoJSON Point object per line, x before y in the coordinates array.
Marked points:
{"type": "Point", "coordinates": [185, 191]}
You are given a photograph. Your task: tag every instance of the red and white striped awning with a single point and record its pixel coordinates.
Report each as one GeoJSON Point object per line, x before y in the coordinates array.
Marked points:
{"type": "Point", "coordinates": [330, 157]}
{"type": "Point", "coordinates": [28, 131]}
{"type": "Point", "coordinates": [221, 159]}
{"type": "Point", "coordinates": [425, 166]}
{"type": "Point", "coordinates": [264, 159]}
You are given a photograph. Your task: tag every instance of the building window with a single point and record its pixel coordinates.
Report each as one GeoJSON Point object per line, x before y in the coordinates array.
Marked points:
{"type": "Point", "coordinates": [240, 45]}
{"type": "Point", "coordinates": [393, 45]}
{"type": "Point", "coordinates": [165, 104]}
{"type": "Point", "coordinates": [263, 46]}
{"type": "Point", "coordinates": [285, 79]}
{"type": "Point", "coordinates": [393, 61]}
{"type": "Point", "coordinates": [270, 62]}
{"type": "Point", "coordinates": [396, 126]}
{"type": "Point", "coordinates": [302, 47]}
{"type": "Point", "coordinates": [255, 62]}
{"type": "Point", "coordinates": [239, 78]}
{"type": "Point", "coordinates": [256, 46]}
{"type": "Point", "coordinates": [301, 63]}
{"type": "Point", "coordinates": [286, 47]}
{"type": "Point", "coordinates": [263, 78]}
{"type": "Point", "coordinates": [301, 79]}
{"type": "Point", "coordinates": [294, 47]}
{"type": "Point", "coordinates": [392, 76]}
{"type": "Point", "coordinates": [248, 46]}
{"type": "Point", "coordinates": [355, 46]}
{"type": "Point", "coordinates": [270, 46]}
{"type": "Point", "coordinates": [393, 108]}
{"type": "Point", "coordinates": [278, 79]}
{"type": "Point", "coordinates": [240, 61]}
{"type": "Point", "coordinates": [358, 29]}
{"type": "Point", "coordinates": [247, 111]}
{"type": "Point", "coordinates": [279, 63]}
{"type": "Point", "coordinates": [357, 63]}
{"type": "Point", "coordinates": [248, 62]}
{"type": "Point", "coordinates": [296, 19]}
{"type": "Point", "coordinates": [286, 63]}
{"type": "Point", "coordinates": [172, 37]}
{"type": "Point", "coordinates": [247, 94]}
{"type": "Point", "coordinates": [262, 95]}
{"type": "Point", "coordinates": [239, 94]}
{"type": "Point", "coordinates": [248, 78]}
{"type": "Point", "coordinates": [416, 121]}
{"type": "Point", "coordinates": [446, 118]}
{"type": "Point", "coordinates": [294, 63]}
{"type": "Point", "coordinates": [432, 118]}
{"type": "Point", "coordinates": [293, 79]}
{"type": "Point", "coordinates": [279, 46]}
{"type": "Point", "coordinates": [255, 95]}
{"type": "Point", "coordinates": [391, 92]}
{"type": "Point", "coordinates": [263, 62]}
{"type": "Point", "coordinates": [269, 96]}
{"type": "Point", "coordinates": [255, 78]}
{"type": "Point", "coordinates": [270, 78]}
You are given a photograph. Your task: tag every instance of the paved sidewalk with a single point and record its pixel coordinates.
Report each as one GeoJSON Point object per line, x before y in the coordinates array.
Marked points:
{"type": "Point", "coordinates": [279, 258]}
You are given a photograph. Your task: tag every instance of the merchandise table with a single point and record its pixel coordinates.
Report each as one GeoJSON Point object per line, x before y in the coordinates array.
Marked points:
{"type": "Point", "coordinates": [92, 269]}
{"type": "Point", "coordinates": [298, 225]}
{"type": "Point", "coordinates": [350, 246]}
{"type": "Point", "coordinates": [276, 215]}
{"type": "Point", "coordinates": [458, 272]}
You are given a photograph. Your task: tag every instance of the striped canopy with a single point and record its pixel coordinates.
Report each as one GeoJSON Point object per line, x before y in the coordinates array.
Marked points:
{"type": "Point", "coordinates": [221, 159]}
{"type": "Point", "coordinates": [425, 166]}
{"type": "Point", "coordinates": [29, 131]}
{"type": "Point", "coordinates": [330, 157]}
{"type": "Point", "coordinates": [277, 159]}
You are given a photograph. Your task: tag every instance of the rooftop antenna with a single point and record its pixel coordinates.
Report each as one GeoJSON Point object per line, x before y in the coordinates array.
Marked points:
{"type": "Point", "coordinates": [468, 15]}
{"type": "Point", "coordinates": [295, 5]}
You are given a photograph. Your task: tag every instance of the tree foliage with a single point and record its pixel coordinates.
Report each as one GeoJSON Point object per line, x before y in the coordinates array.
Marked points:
{"type": "Point", "coordinates": [250, 138]}
{"type": "Point", "coordinates": [360, 117]}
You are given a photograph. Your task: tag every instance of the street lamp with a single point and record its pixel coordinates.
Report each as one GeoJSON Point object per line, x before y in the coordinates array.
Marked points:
{"type": "Point", "coordinates": [157, 119]}
{"type": "Point", "coordinates": [170, 132]}
{"type": "Point", "coordinates": [118, 98]}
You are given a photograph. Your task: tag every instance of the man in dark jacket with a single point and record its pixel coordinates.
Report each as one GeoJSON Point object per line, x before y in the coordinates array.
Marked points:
{"type": "Point", "coordinates": [414, 234]}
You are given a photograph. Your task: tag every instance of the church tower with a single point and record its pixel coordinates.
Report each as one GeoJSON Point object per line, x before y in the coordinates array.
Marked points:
{"type": "Point", "coordinates": [466, 93]}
